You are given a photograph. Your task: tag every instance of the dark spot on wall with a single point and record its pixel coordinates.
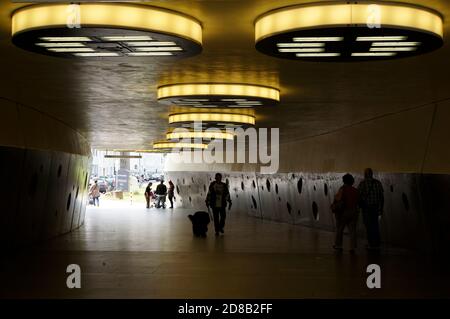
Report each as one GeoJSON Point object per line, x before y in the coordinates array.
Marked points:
{"type": "Point", "coordinates": [314, 187]}
{"type": "Point", "coordinates": [298, 212]}
{"type": "Point", "coordinates": [69, 199]}
{"type": "Point", "coordinates": [276, 188]}
{"type": "Point", "coordinates": [315, 211]}
{"type": "Point", "coordinates": [253, 184]}
{"type": "Point", "coordinates": [268, 185]}
{"type": "Point", "coordinates": [242, 185]}
{"type": "Point", "coordinates": [190, 199]}
{"type": "Point", "coordinates": [178, 190]}
{"type": "Point", "coordinates": [33, 185]}
{"type": "Point", "coordinates": [293, 176]}
{"type": "Point", "coordinates": [78, 189]}
{"type": "Point", "coordinates": [262, 187]}
{"type": "Point", "coordinates": [325, 189]}
{"type": "Point", "coordinates": [300, 185]}
{"type": "Point", "coordinates": [279, 199]}
{"type": "Point", "coordinates": [289, 208]}
{"type": "Point", "coordinates": [184, 182]}
{"type": "Point", "coordinates": [248, 177]}
{"type": "Point", "coordinates": [237, 196]}
{"type": "Point", "coordinates": [251, 206]}
{"type": "Point", "coordinates": [254, 202]}
{"type": "Point", "coordinates": [59, 170]}
{"type": "Point", "coordinates": [392, 188]}
{"type": "Point", "coordinates": [192, 178]}
{"type": "Point", "coordinates": [405, 201]}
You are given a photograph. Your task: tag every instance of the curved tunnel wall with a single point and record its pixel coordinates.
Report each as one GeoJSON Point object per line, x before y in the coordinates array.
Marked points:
{"type": "Point", "coordinates": [44, 166]}
{"type": "Point", "coordinates": [416, 206]}
{"type": "Point", "coordinates": [408, 150]}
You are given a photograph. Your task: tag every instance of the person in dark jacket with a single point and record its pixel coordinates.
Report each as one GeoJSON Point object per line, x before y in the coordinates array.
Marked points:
{"type": "Point", "coordinates": [217, 198]}
{"type": "Point", "coordinates": [345, 209]}
{"type": "Point", "coordinates": [161, 192]}
{"type": "Point", "coordinates": [371, 196]}
{"type": "Point", "coordinates": [171, 193]}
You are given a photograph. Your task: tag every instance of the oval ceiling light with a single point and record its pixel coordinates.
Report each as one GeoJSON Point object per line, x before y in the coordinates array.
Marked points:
{"type": "Point", "coordinates": [204, 135]}
{"type": "Point", "coordinates": [137, 151]}
{"type": "Point", "coordinates": [92, 30]}
{"type": "Point", "coordinates": [218, 95]}
{"type": "Point", "coordinates": [165, 145]}
{"type": "Point", "coordinates": [348, 32]}
{"type": "Point", "coordinates": [211, 119]}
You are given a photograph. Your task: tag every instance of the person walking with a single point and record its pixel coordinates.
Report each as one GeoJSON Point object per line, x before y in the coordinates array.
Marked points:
{"type": "Point", "coordinates": [345, 209]}
{"type": "Point", "coordinates": [148, 194]}
{"type": "Point", "coordinates": [161, 192]}
{"type": "Point", "coordinates": [94, 191]}
{"type": "Point", "coordinates": [371, 201]}
{"type": "Point", "coordinates": [217, 198]}
{"type": "Point", "coordinates": [171, 193]}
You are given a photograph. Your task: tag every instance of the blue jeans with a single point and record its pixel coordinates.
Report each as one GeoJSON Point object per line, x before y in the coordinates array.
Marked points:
{"type": "Point", "coordinates": [370, 218]}
{"type": "Point", "coordinates": [97, 199]}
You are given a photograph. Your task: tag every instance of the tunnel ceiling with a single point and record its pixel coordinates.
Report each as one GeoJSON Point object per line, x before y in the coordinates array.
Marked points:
{"type": "Point", "coordinates": [114, 103]}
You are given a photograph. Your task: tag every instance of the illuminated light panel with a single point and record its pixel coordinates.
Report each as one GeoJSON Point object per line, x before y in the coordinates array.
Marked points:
{"type": "Point", "coordinates": [302, 50]}
{"type": "Point", "coordinates": [96, 54]}
{"type": "Point", "coordinates": [127, 38]}
{"type": "Point", "coordinates": [393, 49]}
{"type": "Point", "coordinates": [66, 39]}
{"type": "Point", "coordinates": [345, 27]}
{"type": "Point", "coordinates": [373, 54]}
{"type": "Point", "coordinates": [300, 45]}
{"type": "Point", "coordinates": [170, 144]}
{"type": "Point", "coordinates": [384, 38]}
{"type": "Point", "coordinates": [114, 15]}
{"type": "Point", "coordinates": [150, 54]}
{"type": "Point", "coordinates": [137, 26]}
{"type": "Point", "coordinates": [149, 44]}
{"type": "Point", "coordinates": [199, 89]}
{"type": "Point", "coordinates": [312, 55]}
{"type": "Point", "coordinates": [318, 39]}
{"type": "Point", "coordinates": [61, 44]}
{"type": "Point", "coordinates": [200, 135]}
{"type": "Point", "coordinates": [71, 50]}
{"type": "Point", "coordinates": [212, 117]}
{"type": "Point", "coordinates": [158, 49]}
{"type": "Point", "coordinates": [395, 44]}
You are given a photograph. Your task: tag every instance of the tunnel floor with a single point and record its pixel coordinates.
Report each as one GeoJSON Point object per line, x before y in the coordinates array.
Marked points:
{"type": "Point", "coordinates": [130, 252]}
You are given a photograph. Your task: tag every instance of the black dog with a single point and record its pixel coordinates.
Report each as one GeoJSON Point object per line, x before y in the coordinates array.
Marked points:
{"type": "Point", "coordinates": [200, 221]}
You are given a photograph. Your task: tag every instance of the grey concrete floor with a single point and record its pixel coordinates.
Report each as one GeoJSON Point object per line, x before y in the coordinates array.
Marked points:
{"type": "Point", "coordinates": [131, 252]}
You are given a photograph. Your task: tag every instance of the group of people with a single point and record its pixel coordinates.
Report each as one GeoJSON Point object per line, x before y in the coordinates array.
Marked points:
{"type": "Point", "coordinates": [369, 198]}
{"type": "Point", "coordinates": [159, 196]}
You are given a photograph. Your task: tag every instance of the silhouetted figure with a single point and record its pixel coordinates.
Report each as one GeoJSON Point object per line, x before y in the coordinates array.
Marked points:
{"type": "Point", "coordinates": [171, 193]}
{"type": "Point", "coordinates": [94, 191]}
{"type": "Point", "coordinates": [371, 201]}
{"type": "Point", "coordinates": [217, 198]}
{"type": "Point", "coordinates": [200, 221]}
{"type": "Point", "coordinates": [345, 209]}
{"type": "Point", "coordinates": [148, 194]}
{"type": "Point", "coordinates": [161, 192]}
